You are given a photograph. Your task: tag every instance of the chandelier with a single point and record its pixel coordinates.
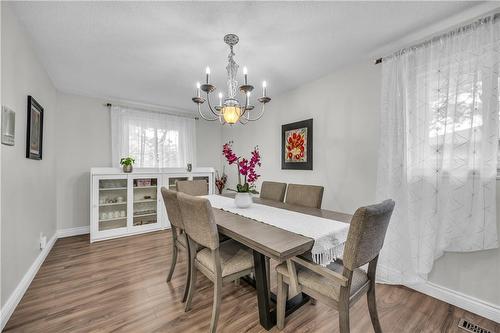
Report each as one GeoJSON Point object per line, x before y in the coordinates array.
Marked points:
{"type": "Point", "coordinates": [230, 110]}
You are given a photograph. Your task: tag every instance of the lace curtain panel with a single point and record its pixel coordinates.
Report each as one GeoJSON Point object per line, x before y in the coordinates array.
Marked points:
{"type": "Point", "coordinates": [438, 149]}
{"type": "Point", "coordinates": [154, 139]}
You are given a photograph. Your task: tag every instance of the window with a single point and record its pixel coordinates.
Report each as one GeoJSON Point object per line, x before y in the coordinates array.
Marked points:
{"type": "Point", "coordinates": [154, 139]}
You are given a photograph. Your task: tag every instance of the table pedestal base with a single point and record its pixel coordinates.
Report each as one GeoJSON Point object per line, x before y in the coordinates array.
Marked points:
{"type": "Point", "coordinates": [266, 300]}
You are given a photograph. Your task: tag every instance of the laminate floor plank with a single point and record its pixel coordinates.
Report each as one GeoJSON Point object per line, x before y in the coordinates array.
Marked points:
{"type": "Point", "coordinates": [119, 286]}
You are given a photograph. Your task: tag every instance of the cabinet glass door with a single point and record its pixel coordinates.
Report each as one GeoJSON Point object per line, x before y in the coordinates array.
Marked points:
{"type": "Point", "coordinates": [145, 209]}
{"type": "Point", "coordinates": [172, 182]}
{"type": "Point", "coordinates": [112, 204]}
{"type": "Point", "coordinates": [204, 178]}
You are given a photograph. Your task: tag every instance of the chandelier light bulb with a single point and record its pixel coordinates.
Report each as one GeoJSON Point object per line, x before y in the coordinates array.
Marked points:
{"type": "Point", "coordinates": [245, 72]}
{"type": "Point", "coordinates": [207, 71]}
{"type": "Point", "coordinates": [231, 114]}
{"type": "Point", "coordinates": [220, 99]}
{"type": "Point", "coordinates": [264, 86]}
{"type": "Point", "coordinates": [198, 89]}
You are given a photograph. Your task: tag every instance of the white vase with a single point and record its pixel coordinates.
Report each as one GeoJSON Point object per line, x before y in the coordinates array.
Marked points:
{"type": "Point", "coordinates": [243, 200]}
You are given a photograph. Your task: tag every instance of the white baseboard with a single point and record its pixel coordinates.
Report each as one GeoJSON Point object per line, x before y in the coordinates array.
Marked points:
{"type": "Point", "coordinates": [61, 233]}
{"type": "Point", "coordinates": [458, 299]}
{"type": "Point", "coordinates": [466, 302]}
{"type": "Point", "coordinates": [25, 282]}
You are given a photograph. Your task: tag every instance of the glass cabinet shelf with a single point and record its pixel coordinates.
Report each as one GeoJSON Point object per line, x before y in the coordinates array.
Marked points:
{"type": "Point", "coordinates": [112, 212]}
{"type": "Point", "coordinates": [172, 182]}
{"type": "Point", "coordinates": [113, 189]}
{"type": "Point", "coordinates": [112, 204]}
{"type": "Point", "coordinates": [145, 198]}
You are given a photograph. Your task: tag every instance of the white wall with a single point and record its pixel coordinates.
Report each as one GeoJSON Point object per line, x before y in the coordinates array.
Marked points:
{"type": "Point", "coordinates": [345, 109]}
{"type": "Point", "coordinates": [84, 141]}
{"type": "Point", "coordinates": [208, 144]}
{"type": "Point", "coordinates": [28, 195]}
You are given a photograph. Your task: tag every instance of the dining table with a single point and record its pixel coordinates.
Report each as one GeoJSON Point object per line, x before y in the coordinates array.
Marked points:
{"type": "Point", "coordinates": [270, 242]}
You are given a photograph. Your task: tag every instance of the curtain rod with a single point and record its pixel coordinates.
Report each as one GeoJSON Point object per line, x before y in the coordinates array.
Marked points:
{"type": "Point", "coordinates": [482, 20]}
{"type": "Point", "coordinates": [109, 105]}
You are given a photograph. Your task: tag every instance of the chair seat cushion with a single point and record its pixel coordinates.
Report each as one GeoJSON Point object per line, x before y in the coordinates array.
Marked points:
{"type": "Point", "coordinates": [322, 285]}
{"type": "Point", "coordinates": [234, 258]}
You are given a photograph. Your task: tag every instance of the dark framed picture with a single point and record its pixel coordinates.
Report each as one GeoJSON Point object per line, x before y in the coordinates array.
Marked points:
{"type": "Point", "coordinates": [8, 126]}
{"type": "Point", "coordinates": [34, 130]}
{"type": "Point", "coordinates": [297, 145]}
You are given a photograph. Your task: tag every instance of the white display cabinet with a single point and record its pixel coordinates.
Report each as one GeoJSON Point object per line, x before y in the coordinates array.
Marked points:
{"type": "Point", "coordinates": [124, 204]}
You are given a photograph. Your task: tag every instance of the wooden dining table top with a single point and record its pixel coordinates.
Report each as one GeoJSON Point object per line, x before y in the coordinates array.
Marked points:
{"type": "Point", "coordinates": [273, 242]}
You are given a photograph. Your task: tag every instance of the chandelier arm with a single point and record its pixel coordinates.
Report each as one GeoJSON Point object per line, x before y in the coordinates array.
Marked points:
{"type": "Point", "coordinates": [259, 116]}
{"type": "Point", "coordinates": [245, 109]}
{"type": "Point", "coordinates": [217, 114]}
{"type": "Point", "coordinates": [201, 114]}
{"type": "Point", "coordinates": [241, 120]}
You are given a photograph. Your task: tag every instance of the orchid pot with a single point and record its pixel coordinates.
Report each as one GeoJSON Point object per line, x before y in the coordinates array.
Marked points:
{"type": "Point", "coordinates": [243, 200]}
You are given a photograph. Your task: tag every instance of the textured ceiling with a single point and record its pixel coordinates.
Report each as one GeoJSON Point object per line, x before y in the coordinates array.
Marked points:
{"type": "Point", "coordinates": [154, 52]}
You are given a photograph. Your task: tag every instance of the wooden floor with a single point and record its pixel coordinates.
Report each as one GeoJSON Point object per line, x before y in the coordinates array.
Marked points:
{"type": "Point", "coordinates": [119, 286]}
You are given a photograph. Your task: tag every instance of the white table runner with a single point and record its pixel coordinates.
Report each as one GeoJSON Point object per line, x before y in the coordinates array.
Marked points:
{"type": "Point", "coordinates": [329, 235]}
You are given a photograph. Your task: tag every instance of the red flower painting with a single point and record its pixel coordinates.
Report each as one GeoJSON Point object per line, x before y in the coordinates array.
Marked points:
{"type": "Point", "coordinates": [296, 145]}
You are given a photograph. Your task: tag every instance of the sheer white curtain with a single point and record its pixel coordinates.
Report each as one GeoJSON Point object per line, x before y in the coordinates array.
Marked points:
{"type": "Point", "coordinates": [154, 139]}
{"type": "Point", "coordinates": [438, 149]}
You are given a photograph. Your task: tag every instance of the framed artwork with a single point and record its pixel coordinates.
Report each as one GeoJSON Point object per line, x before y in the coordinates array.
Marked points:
{"type": "Point", "coordinates": [297, 145]}
{"type": "Point", "coordinates": [8, 126]}
{"type": "Point", "coordinates": [34, 131]}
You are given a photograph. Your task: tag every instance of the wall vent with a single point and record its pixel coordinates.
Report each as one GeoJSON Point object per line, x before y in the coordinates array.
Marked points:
{"type": "Point", "coordinates": [471, 327]}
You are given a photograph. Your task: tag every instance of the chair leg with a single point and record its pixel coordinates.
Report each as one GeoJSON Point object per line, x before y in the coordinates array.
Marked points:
{"type": "Point", "coordinates": [344, 318]}
{"type": "Point", "coordinates": [174, 261]}
{"type": "Point", "coordinates": [192, 278]}
{"type": "Point", "coordinates": [216, 305]}
{"type": "Point", "coordinates": [188, 276]}
{"type": "Point", "coordinates": [372, 308]}
{"type": "Point", "coordinates": [281, 302]}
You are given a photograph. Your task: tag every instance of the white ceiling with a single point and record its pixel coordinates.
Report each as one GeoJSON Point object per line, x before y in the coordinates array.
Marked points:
{"type": "Point", "coordinates": [154, 52]}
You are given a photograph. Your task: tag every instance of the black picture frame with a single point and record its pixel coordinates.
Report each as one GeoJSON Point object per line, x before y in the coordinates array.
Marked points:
{"type": "Point", "coordinates": [308, 164]}
{"type": "Point", "coordinates": [34, 130]}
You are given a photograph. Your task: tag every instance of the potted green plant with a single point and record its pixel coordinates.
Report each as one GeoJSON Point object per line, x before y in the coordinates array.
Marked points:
{"type": "Point", "coordinates": [127, 164]}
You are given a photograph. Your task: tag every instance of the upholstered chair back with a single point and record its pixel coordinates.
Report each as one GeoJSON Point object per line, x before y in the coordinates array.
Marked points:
{"type": "Point", "coordinates": [198, 219]}
{"type": "Point", "coordinates": [273, 191]}
{"type": "Point", "coordinates": [172, 205]}
{"type": "Point", "coordinates": [193, 187]}
{"type": "Point", "coordinates": [367, 233]}
{"type": "Point", "coordinates": [305, 195]}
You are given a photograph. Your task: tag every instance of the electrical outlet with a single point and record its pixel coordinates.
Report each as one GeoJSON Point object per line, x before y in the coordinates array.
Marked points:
{"type": "Point", "coordinates": [43, 241]}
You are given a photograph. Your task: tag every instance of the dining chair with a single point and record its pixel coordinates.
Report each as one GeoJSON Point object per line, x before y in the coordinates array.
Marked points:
{"type": "Point", "coordinates": [179, 239]}
{"type": "Point", "coordinates": [341, 285]}
{"type": "Point", "coordinates": [219, 262]}
{"type": "Point", "coordinates": [192, 187]}
{"type": "Point", "coordinates": [305, 195]}
{"type": "Point", "coordinates": [273, 191]}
